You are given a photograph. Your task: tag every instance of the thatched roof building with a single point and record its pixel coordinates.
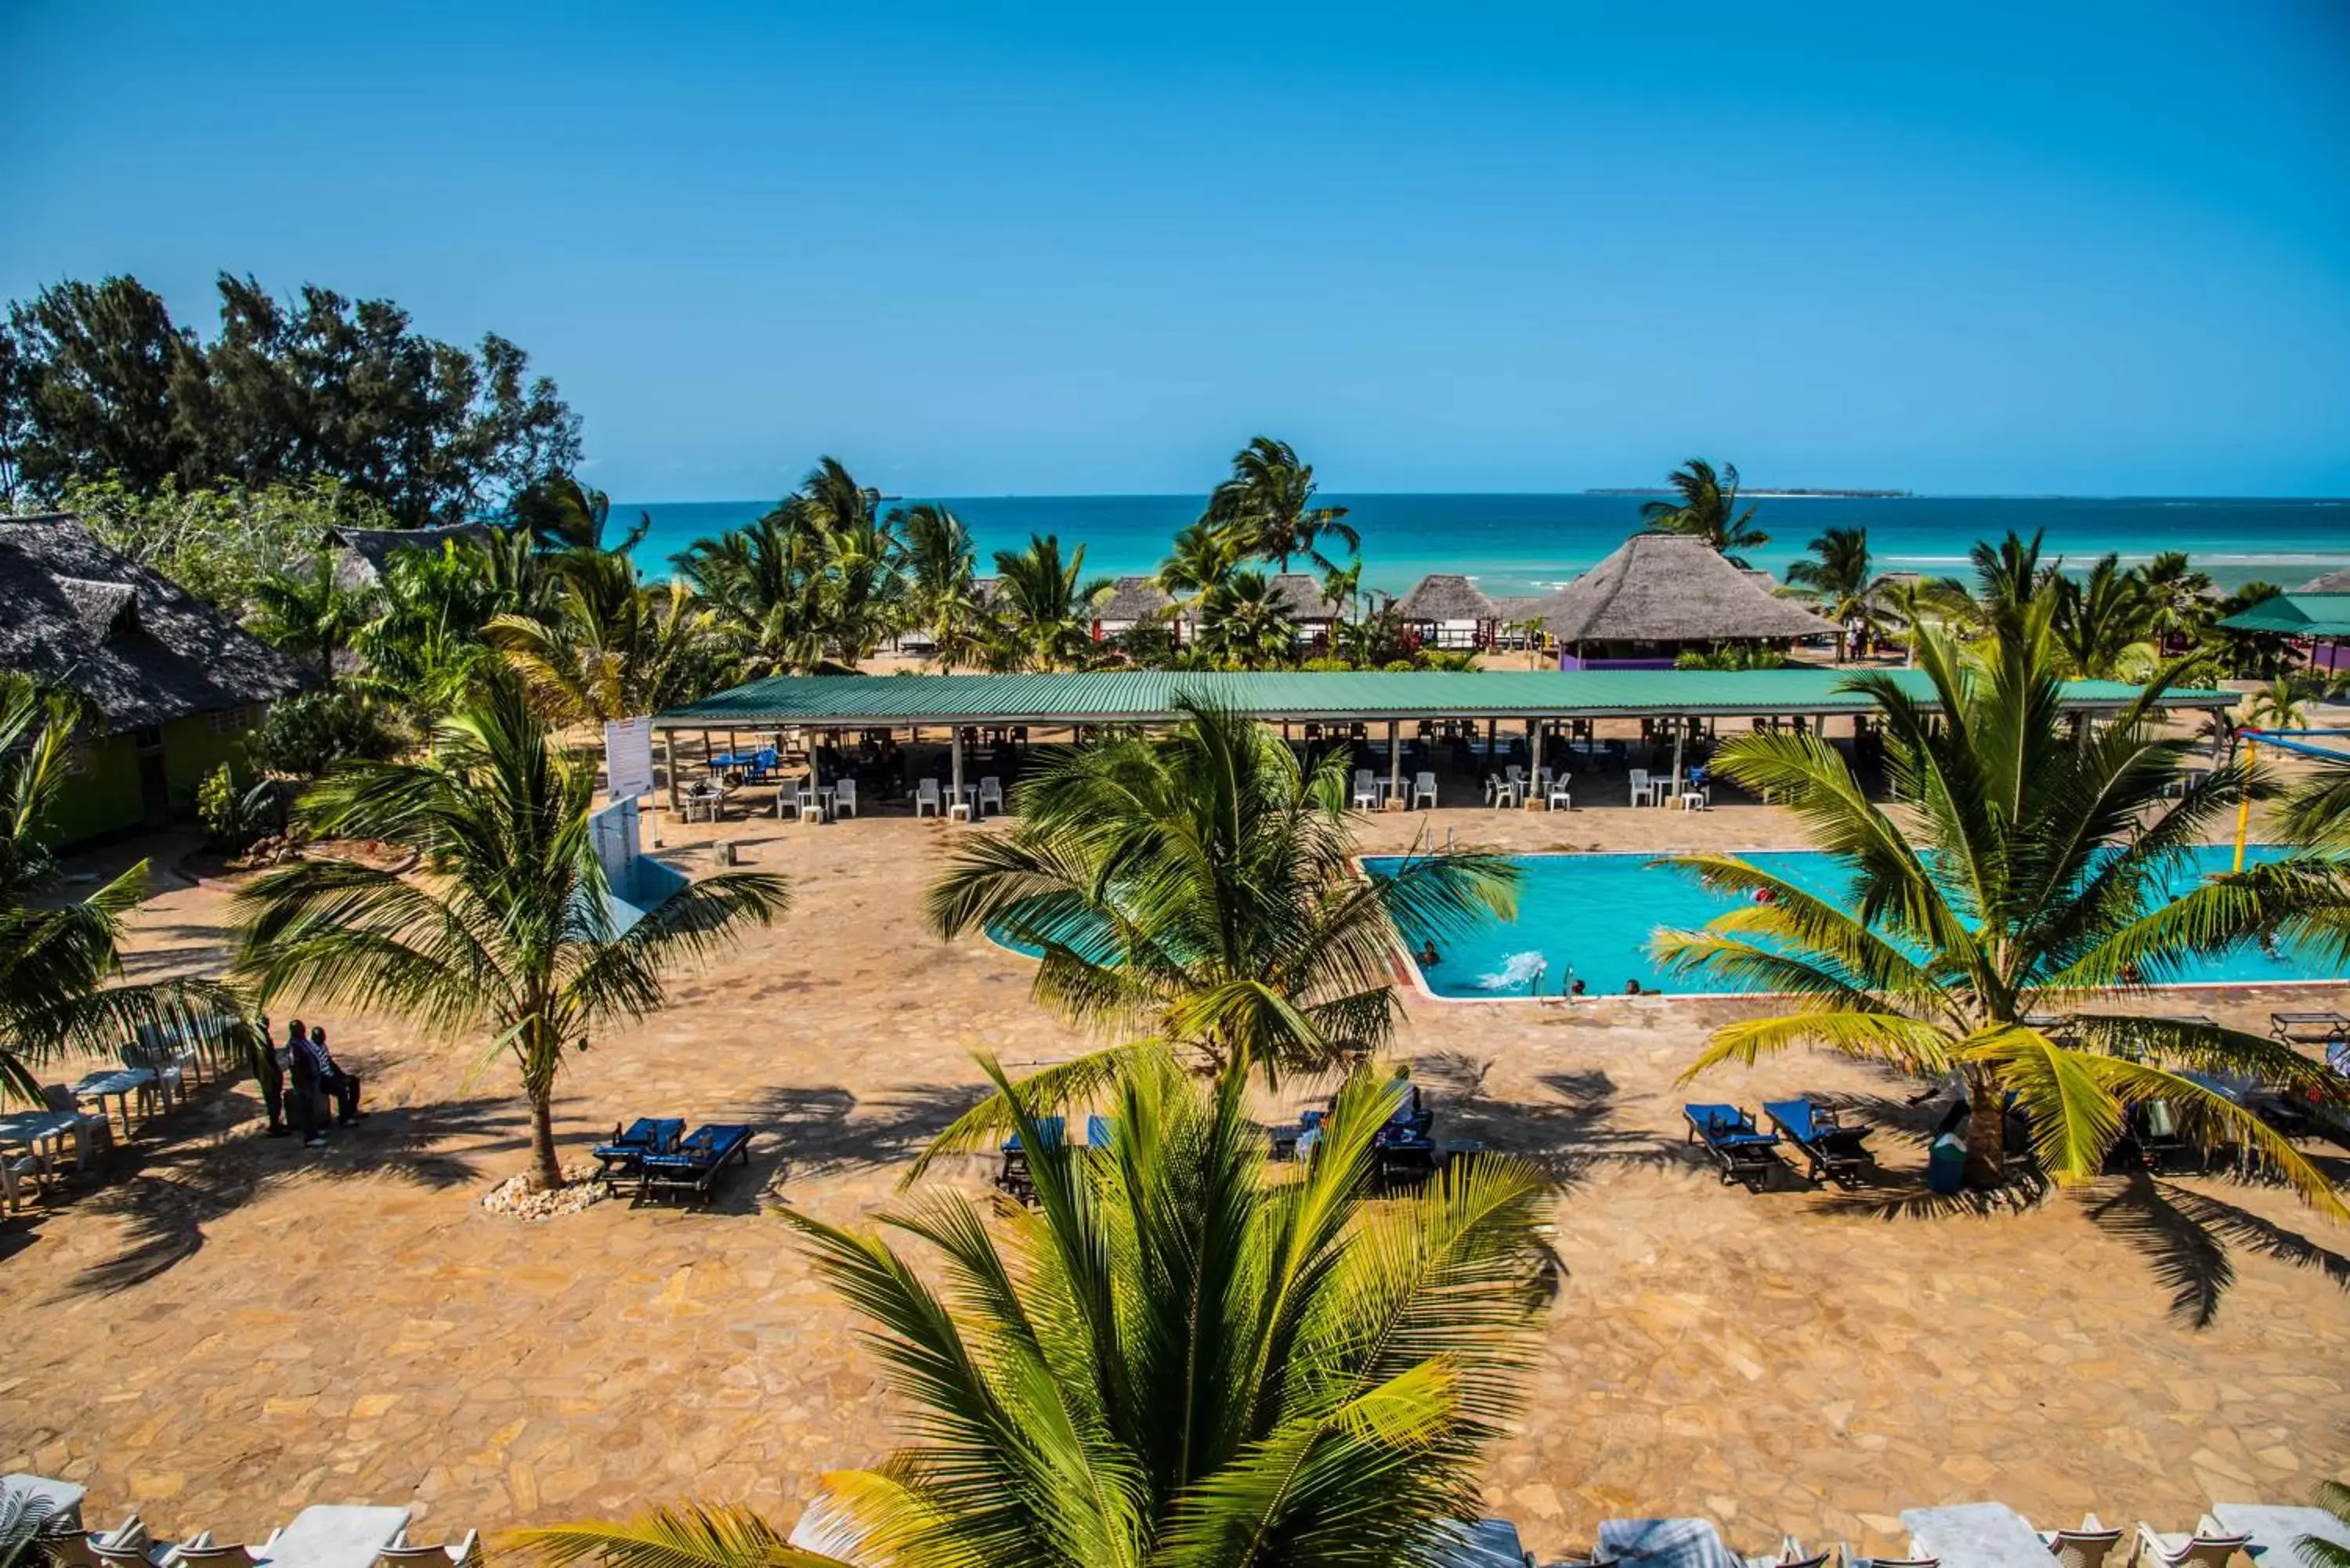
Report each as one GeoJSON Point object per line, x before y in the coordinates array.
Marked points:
{"type": "Point", "coordinates": [1446, 595]}
{"type": "Point", "coordinates": [1132, 599]}
{"type": "Point", "coordinates": [143, 649]}
{"type": "Point", "coordinates": [2330, 583]}
{"type": "Point", "coordinates": [1301, 599]}
{"type": "Point", "coordinates": [362, 552]}
{"type": "Point", "coordinates": [1667, 589]}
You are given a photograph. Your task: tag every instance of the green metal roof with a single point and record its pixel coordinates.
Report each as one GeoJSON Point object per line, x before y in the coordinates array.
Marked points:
{"type": "Point", "coordinates": [1111, 696]}
{"type": "Point", "coordinates": [2296, 615]}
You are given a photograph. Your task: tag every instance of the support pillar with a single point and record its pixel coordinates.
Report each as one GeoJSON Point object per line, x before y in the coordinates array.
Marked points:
{"type": "Point", "coordinates": [1533, 759]}
{"type": "Point", "coordinates": [669, 764]}
{"type": "Point", "coordinates": [1395, 764]}
{"type": "Point", "coordinates": [1680, 734]}
{"type": "Point", "coordinates": [957, 732]}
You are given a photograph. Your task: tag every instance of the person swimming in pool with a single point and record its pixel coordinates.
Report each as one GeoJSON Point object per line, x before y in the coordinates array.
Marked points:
{"type": "Point", "coordinates": [1577, 987]}
{"type": "Point", "coordinates": [1632, 986]}
{"type": "Point", "coordinates": [1429, 956]}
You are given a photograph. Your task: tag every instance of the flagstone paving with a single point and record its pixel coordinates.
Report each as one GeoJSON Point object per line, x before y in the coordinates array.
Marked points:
{"type": "Point", "coordinates": [230, 1329]}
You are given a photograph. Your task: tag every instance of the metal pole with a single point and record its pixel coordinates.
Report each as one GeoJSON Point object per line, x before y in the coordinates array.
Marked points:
{"type": "Point", "coordinates": [2245, 806]}
{"type": "Point", "coordinates": [958, 766]}
{"type": "Point", "coordinates": [1395, 761]}
{"type": "Point", "coordinates": [1680, 734]}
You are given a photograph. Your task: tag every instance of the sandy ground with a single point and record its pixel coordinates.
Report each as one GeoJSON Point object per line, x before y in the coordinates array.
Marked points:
{"type": "Point", "coordinates": [226, 1328]}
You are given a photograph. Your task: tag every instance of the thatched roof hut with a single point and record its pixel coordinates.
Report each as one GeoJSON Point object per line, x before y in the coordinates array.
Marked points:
{"type": "Point", "coordinates": [143, 649]}
{"type": "Point", "coordinates": [1669, 589]}
{"type": "Point", "coordinates": [1301, 599]}
{"type": "Point", "coordinates": [1446, 596]}
{"type": "Point", "coordinates": [1133, 599]}
{"type": "Point", "coordinates": [361, 554]}
{"type": "Point", "coordinates": [2330, 583]}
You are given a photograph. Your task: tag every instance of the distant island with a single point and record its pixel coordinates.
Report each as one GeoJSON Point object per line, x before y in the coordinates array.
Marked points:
{"type": "Point", "coordinates": [1784, 492]}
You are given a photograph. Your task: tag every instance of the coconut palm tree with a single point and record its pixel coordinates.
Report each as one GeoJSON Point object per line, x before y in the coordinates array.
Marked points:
{"type": "Point", "coordinates": [423, 652]}
{"type": "Point", "coordinates": [2033, 873]}
{"type": "Point", "coordinates": [1243, 625]}
{"type": "Point", "coordinates": [941, 583]}
{"type": "Point", "coordinates": [2104, 623]}
{"type": "Point", "coordinates": [1178, 1357]}
{"type": "Point", "coordinates": [508, 937]}
{"type": "Point", "coordinates": [1042, 604]}
{"type": "Point", "coordinates": [764, 583]}
{"type": "Point", "coordinates": [1707, 510]}
{"type": "Point", "coordinates": [2178, 595]}
{"type": "Point", "coordinates": [610, 647]}
{"type": "Point", "coordinates": [2011, 574]}
{"type": "Point", "coordinates": [1203, 559]}
{"type": "Point", "coordinates": [1839, 576]}
{"type": "Point", "coordinates": [1267, 508]}
{"type": "Point", "coordinates": [2282, 704]}
{"type": "Point", "coordinates": [559, 513]}
{"type": "Point", "coordinates": [60, 969]}
{"type": "Point", "coordinates": [1198, 892]}
{"type": "Point", "coordinates": [308, 613]}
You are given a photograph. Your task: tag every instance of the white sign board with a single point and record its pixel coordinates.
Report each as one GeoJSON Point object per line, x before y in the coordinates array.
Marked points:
{"type": "Point", "coordinates": [628, 757]}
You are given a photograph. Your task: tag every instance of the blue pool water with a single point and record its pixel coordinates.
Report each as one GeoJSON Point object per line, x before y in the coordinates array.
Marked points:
{"type": "Point", "coordinates": [1592, 914]}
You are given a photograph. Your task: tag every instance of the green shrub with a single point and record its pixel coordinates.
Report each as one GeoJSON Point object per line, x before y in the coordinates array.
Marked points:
{"type": "Point", "coordinates": [307, 735]}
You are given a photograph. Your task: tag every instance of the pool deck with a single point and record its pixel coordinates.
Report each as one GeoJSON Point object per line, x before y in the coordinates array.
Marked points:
{"type": "Point", "coordinates": [232, 1329]}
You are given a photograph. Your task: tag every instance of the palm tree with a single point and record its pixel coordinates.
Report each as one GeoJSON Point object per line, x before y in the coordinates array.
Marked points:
{"type": "Point", "coordinates": [1839, 576]}
{"type": "Point", "coordinates": [1177, 1358]}
{"type": "Point", "coordinates": [1043, 603]}
{"type": "Point", "coordinates": [2178, 595]}
{"type": "Point", "coordinates": [59, 963]}
{"type": "Point", "coordinates": [611, 648]}
{"type": "Point", "coordinates": [1198, 892]}
{"type": "Point", "coordinates": [559, 513]}
{"type": "Point", "coordinates": [1243, 625]}
{"type": "Point", "coordinates": [765, 584]}
{"type": "Point", "coordinates": [941, 587]}
{"type": "Point", "coordinates": [509, 938]}
{"type": "Point", "coordinates": [2031, 872]}
{"type": "Point", "coordinates": [424, 650]}
{"type": "Point", "coordinates": [1267, 508]}
{"type": "Point", "coordinates": [311, 613]}
{"type": "Point", "coordinates": [1203, 559]}
{"type": "Point", "coordinates": [2011, 574]}
{"type": "Point", "coordinates": [2105, 623]}
{"type": "Point", "coordinates": [1707, 510]}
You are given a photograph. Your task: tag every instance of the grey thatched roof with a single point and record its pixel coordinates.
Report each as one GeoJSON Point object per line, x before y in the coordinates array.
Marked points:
{"type": "Point", "coordinates": [1446, 595]}
{"type": "Point", "coordinates": [1518, 610]}
{"type": "Point", "coordinates": [141, 649]}
{"type": "Point", "coordinates": [364, 551]}
{"type": "Point", "coordinates": [1133, 598]}
{"type": "Point", "coordinates": [2331, 582]}
{"type": "Point", "coordinates": [1301, 597]}
{"type": "Point", "coordinates": [1666, 588]}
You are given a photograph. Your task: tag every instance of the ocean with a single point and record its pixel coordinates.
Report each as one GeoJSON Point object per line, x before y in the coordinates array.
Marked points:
{"type": "Point", "coordinates": [1514, 544]}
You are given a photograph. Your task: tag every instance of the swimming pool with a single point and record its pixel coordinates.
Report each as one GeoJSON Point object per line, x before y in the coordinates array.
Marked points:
{"type": "Point", "coordinates": [1591, 917]}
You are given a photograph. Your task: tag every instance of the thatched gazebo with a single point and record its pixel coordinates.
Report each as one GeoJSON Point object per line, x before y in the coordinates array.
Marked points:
{"type": "Point", "coordinates": [361, 554]}
{"type": "Point", "coordinates": [1659, 594]}
{"type": "Point", "coordinates": [1129, 602]}
{"type": "Point", "coordinates": [1301, 598]}
{"type": "Point", "coordinates": [1449, 612]}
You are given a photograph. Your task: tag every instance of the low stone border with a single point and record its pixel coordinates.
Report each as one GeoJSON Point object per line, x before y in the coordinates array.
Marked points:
{"type": "Point", "coordinates": [518, 1199]}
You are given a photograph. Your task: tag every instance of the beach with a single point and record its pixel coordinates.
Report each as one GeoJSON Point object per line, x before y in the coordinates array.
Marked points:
{"type": "Point", "coordinates": [1512, 545]}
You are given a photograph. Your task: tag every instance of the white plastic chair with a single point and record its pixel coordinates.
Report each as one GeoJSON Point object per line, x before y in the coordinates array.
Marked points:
{"type": "Point", "coordinates": [1559, 795]}
{"type": "Point", "coordinates": [401, 1554]}
{"type": "Point", "coordinates": [844, 797]}
{"type": "Point", "coordinates": [1423, 789]}
{"type": "Point", "coordinates": [991, 793]}
{"type": "Point", "coordinates": [1644, 788]}
{"type": "Point", "coordinates": [787, 799]}
{"type": "Point", "coordinates": [926, 797]}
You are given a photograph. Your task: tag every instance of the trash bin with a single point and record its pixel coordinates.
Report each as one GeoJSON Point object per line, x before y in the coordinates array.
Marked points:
{"type": "Point", "coordinates": [1946, 1164]}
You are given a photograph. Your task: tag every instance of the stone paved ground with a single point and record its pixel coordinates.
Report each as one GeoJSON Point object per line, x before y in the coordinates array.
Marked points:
{"type": "Point", "coordinates": [230, 1329]}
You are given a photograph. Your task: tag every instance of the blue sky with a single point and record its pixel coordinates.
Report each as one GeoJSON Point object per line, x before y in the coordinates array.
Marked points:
{"type": "Point", "coordinates": [2099, 248]}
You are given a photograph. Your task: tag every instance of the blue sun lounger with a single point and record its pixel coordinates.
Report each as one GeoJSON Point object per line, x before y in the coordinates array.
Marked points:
{"type": "Point", "coordinates": [1015, 1177]}
{"type": "Point", "coordinates": [694, 1164]}
{"type": "Point", "coordinates": [1730, 1136]}
{"type": "Point", "coordinates": [1836, 1152]}
{"type": "Point", "coordinates": [624, 1155]}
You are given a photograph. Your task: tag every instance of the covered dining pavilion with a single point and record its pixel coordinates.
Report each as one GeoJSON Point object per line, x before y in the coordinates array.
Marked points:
{"type": "Point", "coordinates": [1361, 706]}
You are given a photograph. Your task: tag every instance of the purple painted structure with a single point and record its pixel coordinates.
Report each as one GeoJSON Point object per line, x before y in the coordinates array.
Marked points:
{"type": "Point", "coordinates": [1567, 660]}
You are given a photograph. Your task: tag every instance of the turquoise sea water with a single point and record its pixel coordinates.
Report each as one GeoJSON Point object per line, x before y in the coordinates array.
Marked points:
{"type": "Point", "coordinates": [1527, 543]}
{"type": "Point", "coordinates": [1592, 916]}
